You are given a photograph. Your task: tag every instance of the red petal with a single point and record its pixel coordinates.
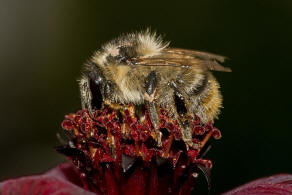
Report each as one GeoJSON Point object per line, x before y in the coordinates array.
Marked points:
{"type": "Point", "coordinates": [278, 184]}
{"type": "Point", "coordinates": [62, 180]}
{"type": "Point", "coordinates": [135, 184]}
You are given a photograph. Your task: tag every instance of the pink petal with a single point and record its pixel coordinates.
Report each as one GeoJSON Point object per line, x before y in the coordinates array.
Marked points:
{"type": "Point", "coordinates": [277, 184]}
{"type": "Point", "coordinates": [62, 180]}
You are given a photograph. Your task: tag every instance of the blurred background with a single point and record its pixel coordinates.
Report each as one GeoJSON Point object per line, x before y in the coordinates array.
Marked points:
{"type": "Point", "coordinates": [44, 43]}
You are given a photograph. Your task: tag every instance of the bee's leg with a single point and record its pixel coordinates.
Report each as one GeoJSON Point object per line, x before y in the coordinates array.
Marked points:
{"type": "Point", "coordinates": [187, 116]}
{"type": "Point", "coordinates": [181, 113]}
{"type": "Point", "coordinates": [150, 86]}
{"type": "Point", "coordinates": [185, 126]}
{"type": "Point", "coordinates": [153, 113]}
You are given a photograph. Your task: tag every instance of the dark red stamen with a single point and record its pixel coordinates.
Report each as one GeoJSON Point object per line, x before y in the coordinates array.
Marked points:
{"type": "Point", "coordinates": [116, 146]}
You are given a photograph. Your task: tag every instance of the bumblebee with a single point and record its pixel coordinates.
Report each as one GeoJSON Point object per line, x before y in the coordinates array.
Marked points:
{"type": "Point", "coordinates": [141, 69]}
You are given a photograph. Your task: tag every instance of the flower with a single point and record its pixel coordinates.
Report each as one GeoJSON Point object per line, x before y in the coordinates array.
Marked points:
{"type": "Point", "coordinates": [118, 152]}
{"type": "Point", "coordinates": [278, 184]}
{"type": "Point", "coordinates": [62, 179]}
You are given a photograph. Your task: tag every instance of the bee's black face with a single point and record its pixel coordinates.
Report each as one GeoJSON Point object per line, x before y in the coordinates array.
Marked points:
{"type": "Point", "coordinates": [95, 88]}
{"type": "Point", "coordinates": [96, 84]}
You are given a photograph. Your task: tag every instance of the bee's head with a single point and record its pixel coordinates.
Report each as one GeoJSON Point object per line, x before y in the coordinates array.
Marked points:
{"type": "Point", "coordinates": [119, 51]}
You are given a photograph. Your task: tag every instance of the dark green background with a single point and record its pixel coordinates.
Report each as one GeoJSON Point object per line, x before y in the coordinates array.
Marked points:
{"type": "Point", "coordinates": [44, 43]}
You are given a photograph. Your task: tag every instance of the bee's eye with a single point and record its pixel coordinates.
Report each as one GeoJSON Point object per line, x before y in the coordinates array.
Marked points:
{"type": "Point", "coordinates": [95, 88]}
{"type": "Point", "coordinates": [98, 81]}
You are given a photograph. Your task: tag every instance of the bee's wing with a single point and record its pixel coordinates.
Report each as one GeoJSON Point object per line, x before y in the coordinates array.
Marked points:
{"type": "Point", "coordinates": [185, 58]}
{"type": "Point", "coordinates": [161, 61]}
{"type": "Point", "coordinates": [196, 54]}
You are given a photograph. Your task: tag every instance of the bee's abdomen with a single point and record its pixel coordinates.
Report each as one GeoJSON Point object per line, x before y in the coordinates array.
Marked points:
{"type": "Point", "coordinates": [212, 102]}
{"type": "Point", "coordinates": [206, 99]}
